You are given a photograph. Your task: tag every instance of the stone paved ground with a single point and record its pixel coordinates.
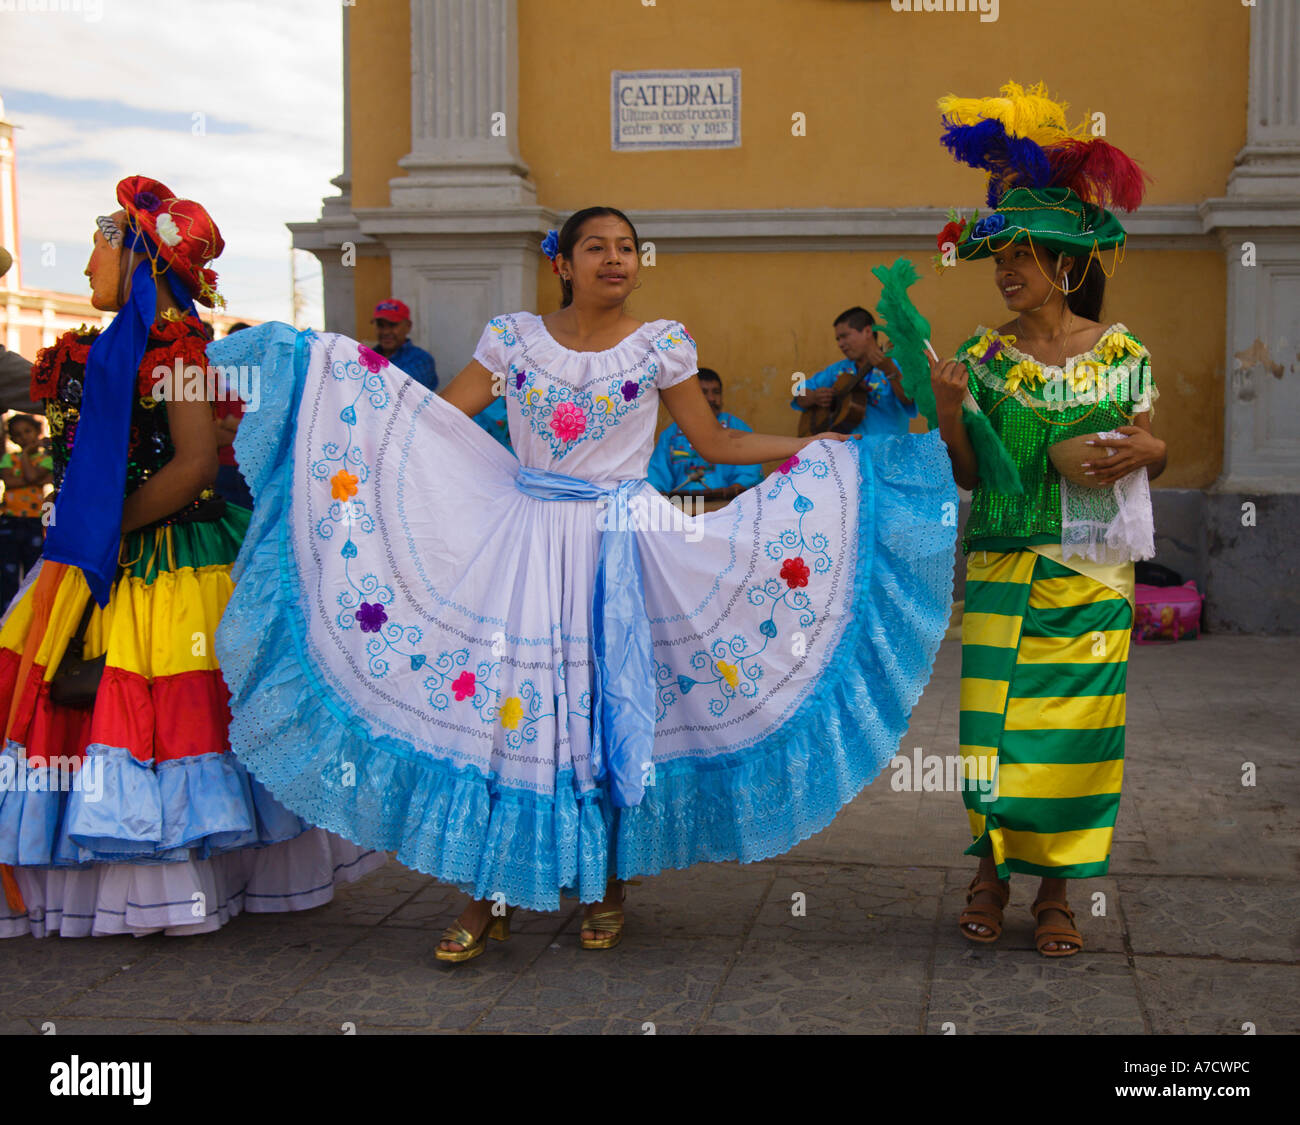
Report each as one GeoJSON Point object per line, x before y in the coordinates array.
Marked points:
{"type": "Point", "coordinates": [1199, 932]}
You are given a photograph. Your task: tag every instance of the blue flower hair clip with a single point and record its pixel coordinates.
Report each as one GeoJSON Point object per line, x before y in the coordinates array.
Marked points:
{"type": "Point", "coordinates": [551, 244]}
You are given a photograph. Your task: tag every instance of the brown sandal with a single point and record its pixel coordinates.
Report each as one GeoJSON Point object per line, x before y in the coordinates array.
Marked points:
{"type": "Point", "coordinates": [980, 914]}
{"type": "Point", "coordinates": [1055, 932]}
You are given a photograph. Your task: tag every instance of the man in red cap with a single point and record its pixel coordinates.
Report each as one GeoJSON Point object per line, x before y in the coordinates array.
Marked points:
{"type": "Point", "coordinates": [392, 323]}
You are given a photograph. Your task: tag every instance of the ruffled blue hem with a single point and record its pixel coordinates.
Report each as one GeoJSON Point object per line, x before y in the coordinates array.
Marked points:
{"type": "Point", "coordinates": [117, 809]}
{"type": "Point", "coordinates": [467, 829]}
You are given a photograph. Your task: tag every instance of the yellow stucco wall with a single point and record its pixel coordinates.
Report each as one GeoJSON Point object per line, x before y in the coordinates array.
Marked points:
{"type": "Point", "coordinates": [867, 78]}
{"type": "Point", "coordinates": [379, 89]}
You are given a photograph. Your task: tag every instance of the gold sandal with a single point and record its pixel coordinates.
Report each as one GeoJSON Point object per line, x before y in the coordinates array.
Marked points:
{"type": "Point", "coordinates": [498, 929]}
{"type": "Point", "coordinates": [607, 922]}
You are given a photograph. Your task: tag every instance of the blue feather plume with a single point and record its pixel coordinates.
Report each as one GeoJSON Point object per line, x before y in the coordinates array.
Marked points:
{"type": "Point", "coordinates": [1010, 161]}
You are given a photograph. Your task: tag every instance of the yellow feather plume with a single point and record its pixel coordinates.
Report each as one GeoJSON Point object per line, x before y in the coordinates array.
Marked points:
{"type": "Point", "coordinates": [1029, 113]}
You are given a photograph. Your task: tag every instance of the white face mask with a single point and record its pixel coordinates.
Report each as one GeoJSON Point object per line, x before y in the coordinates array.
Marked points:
{"type": "Point", "coordinates": [110, 230]}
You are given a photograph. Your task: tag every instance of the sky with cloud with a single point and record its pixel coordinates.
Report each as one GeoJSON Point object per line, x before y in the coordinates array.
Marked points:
{"type": "Point", "coordinates": [238, 105]}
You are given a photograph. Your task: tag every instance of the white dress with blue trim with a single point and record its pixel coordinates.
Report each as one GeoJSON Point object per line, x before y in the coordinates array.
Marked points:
{"type": "Point", "coordinates": [528, 676]}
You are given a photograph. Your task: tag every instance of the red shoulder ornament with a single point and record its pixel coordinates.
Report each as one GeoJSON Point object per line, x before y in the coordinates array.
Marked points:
{"type": "Point", "coordinates": [72, 347]}
{"type": "Point", "coordinates": [183, 339]}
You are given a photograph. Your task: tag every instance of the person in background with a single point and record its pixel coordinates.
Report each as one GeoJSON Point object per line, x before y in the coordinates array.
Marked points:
{"type": "Point", "coordinates": [495, 422]}
{"type": "Point", "coordinates": [888, 408]}
{"type": "Point", "coordinates": [676, 467]}
{"type": "Point", "coordinates": [26, 476]}
{"type": "Point", "coordinates": [226, 415]}
{"type": "Point", "coordinates": [392, 323]}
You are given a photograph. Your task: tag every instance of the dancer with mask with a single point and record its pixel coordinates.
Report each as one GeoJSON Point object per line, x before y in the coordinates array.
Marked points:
{"type": "Point", "coordinates": [121, 807]}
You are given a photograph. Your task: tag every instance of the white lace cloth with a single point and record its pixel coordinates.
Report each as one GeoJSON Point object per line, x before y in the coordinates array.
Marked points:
{"type": "Point", "coordinates": [1109, 525]}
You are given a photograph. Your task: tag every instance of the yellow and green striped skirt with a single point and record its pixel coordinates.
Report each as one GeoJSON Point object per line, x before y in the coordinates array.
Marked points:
{"type": "Point", "coordinates": [1044, 666]}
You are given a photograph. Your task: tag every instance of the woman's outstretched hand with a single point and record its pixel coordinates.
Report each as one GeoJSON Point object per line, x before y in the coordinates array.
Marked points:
{"type": "Point", "coordinates": [830, 436]}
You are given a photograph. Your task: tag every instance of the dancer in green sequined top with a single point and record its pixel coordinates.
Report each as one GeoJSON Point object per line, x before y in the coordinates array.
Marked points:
{"type": "Point", "coordinates": [1045, 635]}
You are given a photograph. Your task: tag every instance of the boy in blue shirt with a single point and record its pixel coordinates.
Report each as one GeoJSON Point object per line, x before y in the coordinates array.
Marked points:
{"type": "Point", "coordinates": [888, 408]}
{"type": "Point", "coordinates": [676, 467]}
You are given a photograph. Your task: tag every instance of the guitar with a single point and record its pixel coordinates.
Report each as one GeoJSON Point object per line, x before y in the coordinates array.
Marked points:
{"type": "Point", "coordinates": [851, 396]}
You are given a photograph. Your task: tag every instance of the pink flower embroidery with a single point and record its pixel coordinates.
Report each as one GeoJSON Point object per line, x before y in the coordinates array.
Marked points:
{"type": "Point", "coordinates": [463, 686]}
{"type": "Point", "coordinates": [795, 572]}
{"type": "Point", "coordinates": [569, 422]}
{"type": "Point", "coordinates": [788, 464]}
{"type": "Point", "coordinates": [370, 359]}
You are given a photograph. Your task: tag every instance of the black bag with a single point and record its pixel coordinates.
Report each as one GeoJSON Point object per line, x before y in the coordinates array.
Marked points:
{"type": "Point", "coordinates": [76, 683]}
{"type": "Point", "coordinates": [1154, 574]}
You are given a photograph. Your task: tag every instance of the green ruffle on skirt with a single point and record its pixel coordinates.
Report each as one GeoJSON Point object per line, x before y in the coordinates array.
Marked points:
{"type": "Point", "coordinates": [149, 551]}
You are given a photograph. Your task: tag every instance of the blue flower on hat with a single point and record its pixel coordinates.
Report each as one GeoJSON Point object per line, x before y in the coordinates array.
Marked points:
{"type": "Point", "coordinates": [551, 244]}
{"type": "Point", "coordinates": [989, 225]}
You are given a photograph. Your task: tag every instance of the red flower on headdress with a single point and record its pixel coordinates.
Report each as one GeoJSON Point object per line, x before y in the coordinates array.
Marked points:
{"type": "Point", "coordinates": [950, 233]}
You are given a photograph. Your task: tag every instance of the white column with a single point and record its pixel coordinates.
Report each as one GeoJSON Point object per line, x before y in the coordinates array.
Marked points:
{"type": "Point", "coordinates": [9, 204]}
{"type": "Point", "coordinates": [335, 238]}
{"type": "Point", "coordinates": [1258, 224]}
{"type": "Point", "coordinates": [1253, 510]}
{"type": "Point", "coordinates": [1269, 165]}
{"type": "Point", "coordinates": [464, 108]}
{"type": "Point", "coordinates": [464, 230]}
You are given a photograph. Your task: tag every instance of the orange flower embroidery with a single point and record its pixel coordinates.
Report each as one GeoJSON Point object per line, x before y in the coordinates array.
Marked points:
{"type": "Point", "coordinates": [343, 485]}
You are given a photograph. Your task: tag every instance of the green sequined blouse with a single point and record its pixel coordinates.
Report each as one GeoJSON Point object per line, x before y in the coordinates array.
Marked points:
{"type": "Point", "coordinates": [1033, 406]}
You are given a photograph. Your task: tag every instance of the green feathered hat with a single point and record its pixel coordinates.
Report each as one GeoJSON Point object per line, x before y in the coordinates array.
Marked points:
{"type": "Point", "coordinates": [1054, 218]}
{"type": "Point", "coordinates": [1049, 184]}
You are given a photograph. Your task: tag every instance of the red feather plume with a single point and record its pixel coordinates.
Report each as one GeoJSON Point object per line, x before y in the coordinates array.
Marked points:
{"type": "Point", "coordinates": [1099, 173]}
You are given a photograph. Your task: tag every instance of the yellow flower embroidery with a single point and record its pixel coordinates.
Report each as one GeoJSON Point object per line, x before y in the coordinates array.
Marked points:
{"type": "Point", "coordinates": [1083, 376]}
{"type": "Point", "coordinates": [1115, 346]}
{"type": "Point", "coordinates": [982, 345]}
{"type": "Point", "coordinates": [728, 672]}
{"type": "Point", "coordinates": [512, 710]}
{"type": "Point", "coordinates": [1025, 372]}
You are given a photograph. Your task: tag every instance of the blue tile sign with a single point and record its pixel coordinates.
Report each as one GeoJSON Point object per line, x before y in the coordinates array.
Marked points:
{"type": "Point", "coordinates": [658, 109]}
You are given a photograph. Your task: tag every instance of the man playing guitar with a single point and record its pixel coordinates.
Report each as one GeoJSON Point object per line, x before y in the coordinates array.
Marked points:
{"type": "Point", "coordinates": [862, 393]}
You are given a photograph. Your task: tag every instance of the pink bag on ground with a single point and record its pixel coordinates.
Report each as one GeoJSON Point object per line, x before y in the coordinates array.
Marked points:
{"type": "Point", "coordinates": [1167, 613]}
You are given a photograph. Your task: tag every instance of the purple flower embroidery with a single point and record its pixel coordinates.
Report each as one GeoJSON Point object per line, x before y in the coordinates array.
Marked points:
{"type": "Point", "coordinates": [520, 376]}
{"type": "Point", "coordinates": [371, 616]}
{"type": "Point", "coordinates": [630, 390]}
{"type": "Point", "coordinates": [371, 360]}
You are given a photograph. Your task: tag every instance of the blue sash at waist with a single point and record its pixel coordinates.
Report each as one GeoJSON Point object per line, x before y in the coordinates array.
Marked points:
{"type": "Point", "coordinates": [623, 687]}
